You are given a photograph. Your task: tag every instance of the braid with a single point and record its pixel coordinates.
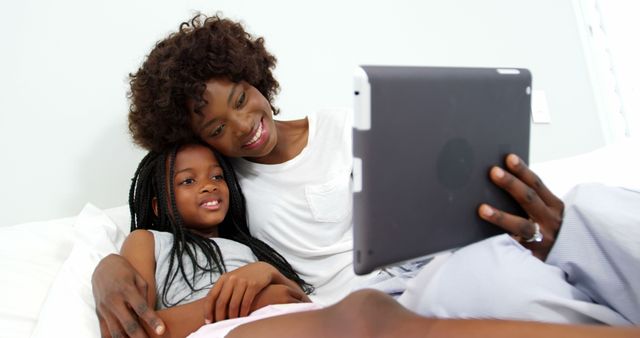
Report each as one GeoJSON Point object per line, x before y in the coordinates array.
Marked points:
{"type": "Point", "coordinates": [153, 179]}
{"type": "Point", "coordinates": [235, 227]}
{"type": "Point", "coordinates": [149, 182]}
{"type": "Point", "coordinates": [139, 200]}
{"type": "Point", "coordinates": [185, 243]}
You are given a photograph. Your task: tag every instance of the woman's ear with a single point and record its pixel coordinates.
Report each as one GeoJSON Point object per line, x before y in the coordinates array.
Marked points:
{"type": "Point", "coordinates": [154, 205]}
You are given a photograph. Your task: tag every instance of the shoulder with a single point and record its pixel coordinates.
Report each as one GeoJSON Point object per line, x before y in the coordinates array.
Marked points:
{"type": "Point", "coordinates": [335, 123]}
{"type": "Point", "coordinates": [339, 116]}
{"type": "Point", "coordinates": [140, 235]}
{"type": "Point", "coordinates": [138, 240]}
{"type": "Point", "coordinates": [230, 245]}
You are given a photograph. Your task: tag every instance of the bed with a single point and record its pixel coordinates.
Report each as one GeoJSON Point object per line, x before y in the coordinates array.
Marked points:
{"type": "Point", "coordinates": [46, 267]}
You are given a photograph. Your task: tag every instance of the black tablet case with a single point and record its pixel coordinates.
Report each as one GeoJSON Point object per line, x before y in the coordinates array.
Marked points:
{"type": "Point", "coordinates": [423, 165]}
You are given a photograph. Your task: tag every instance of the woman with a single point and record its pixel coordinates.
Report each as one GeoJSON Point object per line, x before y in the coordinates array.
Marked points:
{"type": "Point", "coordinates": [212, 81]}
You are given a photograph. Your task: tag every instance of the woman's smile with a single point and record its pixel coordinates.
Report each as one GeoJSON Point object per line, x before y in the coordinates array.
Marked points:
{"type": "Point", "coordinates": [259, 136]}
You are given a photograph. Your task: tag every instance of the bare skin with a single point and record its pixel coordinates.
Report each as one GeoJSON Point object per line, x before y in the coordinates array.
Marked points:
{"type": "Point", "coordinates": [537, 200]}
{"type": "Point", "coordinates": [238, 122]}
{"type": "Point", "coordinates": [372, 314]}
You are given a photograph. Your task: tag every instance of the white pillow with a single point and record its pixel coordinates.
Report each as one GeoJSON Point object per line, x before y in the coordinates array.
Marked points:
{"type": "Point", "coordinates": [31, 254]}
{"type": "Point", "coordinates": [616, 164]}
{"type": "Point", "coordinates": [69, 310]}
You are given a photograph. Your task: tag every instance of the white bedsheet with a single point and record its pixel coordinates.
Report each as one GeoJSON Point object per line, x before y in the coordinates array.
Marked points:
{"type": "Point", "coordinates": [45, 267]}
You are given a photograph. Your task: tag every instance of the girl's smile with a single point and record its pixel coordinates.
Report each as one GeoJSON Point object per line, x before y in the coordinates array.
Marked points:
{"type": "Point", "coordinates": [201, 192]}
{"type": "Point", "coordinates": [211, 204]}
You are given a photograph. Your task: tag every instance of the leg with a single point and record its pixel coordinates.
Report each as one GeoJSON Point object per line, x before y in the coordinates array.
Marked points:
{"type": "Point", "coordinates": [498, 278]}
{"type": "Point", "coordinates": [364, 313]}
{"type": "Point", "coordinates": [372, 314]}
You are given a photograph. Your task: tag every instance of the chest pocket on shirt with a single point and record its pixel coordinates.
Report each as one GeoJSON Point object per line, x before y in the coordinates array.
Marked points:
{"type": "Point", "coordinates": [330, 201]}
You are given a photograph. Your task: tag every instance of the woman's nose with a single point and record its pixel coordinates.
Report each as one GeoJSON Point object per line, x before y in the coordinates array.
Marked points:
{"type": "Point", "coordinates": [243, 124]}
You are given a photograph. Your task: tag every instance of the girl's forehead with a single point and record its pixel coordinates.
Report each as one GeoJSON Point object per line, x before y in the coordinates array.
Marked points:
{"type": "Point", "coordinates": [194, 154]}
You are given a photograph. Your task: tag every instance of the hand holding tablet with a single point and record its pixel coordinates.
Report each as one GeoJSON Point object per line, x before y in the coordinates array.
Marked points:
{"type": "Point", "coordinates": [424, 140]}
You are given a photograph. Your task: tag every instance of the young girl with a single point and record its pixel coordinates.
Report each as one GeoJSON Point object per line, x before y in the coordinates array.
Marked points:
{"type": "Point", "coordinates": [188, 229]}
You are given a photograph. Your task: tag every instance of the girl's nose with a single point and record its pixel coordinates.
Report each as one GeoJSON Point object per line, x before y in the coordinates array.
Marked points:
{"type": "Point", "coordinates": [208, 187]}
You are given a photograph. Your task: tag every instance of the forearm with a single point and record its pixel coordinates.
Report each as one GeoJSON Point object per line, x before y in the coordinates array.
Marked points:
{"type": "Point", "coordinates": [181, 320]}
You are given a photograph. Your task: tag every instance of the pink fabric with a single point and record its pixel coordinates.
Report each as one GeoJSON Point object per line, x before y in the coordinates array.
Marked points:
{"type": "Point", "coordinates": [220, 329]}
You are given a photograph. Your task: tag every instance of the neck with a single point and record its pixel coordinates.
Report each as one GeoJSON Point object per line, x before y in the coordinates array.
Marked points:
{"type": "Point", "coordinates": [207, 233]}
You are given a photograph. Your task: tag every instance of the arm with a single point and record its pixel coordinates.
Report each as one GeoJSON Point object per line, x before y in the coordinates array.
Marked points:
{"type": "Point", "coordinates": [597, 246]}
{"type": "Point", "coordinates": [543, 207]}
{"type": "Point", "coordinates": [138, 250]}
{"type": "Point", "coordinates": [120, 297]}
{"type": "Point", "coordinates": [183, 319]}
{"type": "Point", "coordinates": [369, 313]}
{"type": "Point", "coordinates": [234, 293]}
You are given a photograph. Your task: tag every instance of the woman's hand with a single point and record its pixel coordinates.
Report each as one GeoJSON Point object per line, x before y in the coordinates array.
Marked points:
{"type": "Point", "coordinates": [120, 295]}
{"type": "Point", "coordinates": [543, 207]}
{"type": "Point", "coordinates": [234, 292]}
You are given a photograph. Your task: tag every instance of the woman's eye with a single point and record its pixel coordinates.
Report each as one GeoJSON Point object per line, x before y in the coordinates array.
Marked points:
{"type": "Point", "coordinates": [241, 100]}
{"type": "Point", "coordinates": [217, 131]}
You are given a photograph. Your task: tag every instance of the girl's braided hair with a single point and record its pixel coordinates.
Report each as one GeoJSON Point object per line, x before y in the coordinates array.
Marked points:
{"type": "Point", "coordinates": [150, 181]}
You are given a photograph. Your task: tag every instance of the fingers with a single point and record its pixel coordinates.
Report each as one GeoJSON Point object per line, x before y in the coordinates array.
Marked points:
{"type": "Point", "coordinates": [519, 226]}
{"type": "Point", "coordinates": [130, 309]}
{"type": "Point", "coordinates": [112, 326]}
{"type": "Point", "coordinates": [117, 318]}
{"type": "Point", "coordinates": [141, 308]}
{"type": "Point", "coordinates": [522, 193]}
{"type": "Point", "coordinates": [212, 297]}
{"type": "Point", "coordinates": [522, 228]}
{"type": "Point", "coordinates": [237, 294]}
{"type": "Point", "coordinates": [247, 300]}
{"type": "Point", "coordinates": [522, 171]}
{"type": "Point", "coordinates": [228, 296]}
{"type": "Point", "coordinates": [542, 206]}
{"type": "Point", "coordinates": [129, 323]}
{"type": "Point", "coordinates": [104, 329]}
{"type": "Point", "coordinates": [223, 301]}
{"type": "Point", "coordinates": [299, 295]}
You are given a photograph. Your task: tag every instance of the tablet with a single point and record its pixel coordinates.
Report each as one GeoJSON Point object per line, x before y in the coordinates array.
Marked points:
{"type": "Point", "coordinates": [424, 139]}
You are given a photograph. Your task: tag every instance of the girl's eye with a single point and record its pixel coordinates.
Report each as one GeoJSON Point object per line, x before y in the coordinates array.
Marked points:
{"type": "Point", "coordinates": [217, 177]}
{"type": "Point", "coordinates": [217, 131]}
{"type": "Point", "coordinates": [241, 100]}
{"type": "Point", "coordinates": [188, 181]}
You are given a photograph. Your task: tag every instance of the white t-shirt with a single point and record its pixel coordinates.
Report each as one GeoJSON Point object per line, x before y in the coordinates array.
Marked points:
{"type": "Point", "coordinates": [303, 207]}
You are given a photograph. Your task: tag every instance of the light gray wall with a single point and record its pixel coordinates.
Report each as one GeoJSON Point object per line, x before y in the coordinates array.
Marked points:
{"type": "Point", "coordinates": [64, 65]}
